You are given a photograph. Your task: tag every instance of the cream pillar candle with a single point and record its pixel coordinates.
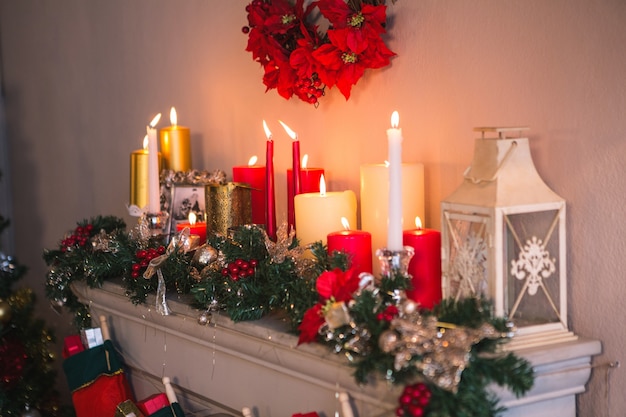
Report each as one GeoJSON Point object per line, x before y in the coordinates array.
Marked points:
{"type": "Point", "coordinates": [318, 214]}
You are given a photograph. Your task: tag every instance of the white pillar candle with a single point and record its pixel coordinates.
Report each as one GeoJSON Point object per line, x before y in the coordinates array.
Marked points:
{"type": "Point", "coordinates": [394, 226]}
{"type": "Point", "coordinates": [154, 205]}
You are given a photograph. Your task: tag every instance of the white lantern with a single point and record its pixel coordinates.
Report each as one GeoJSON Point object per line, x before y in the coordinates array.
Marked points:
{"type": "Point", "coordinates": [503, 237]}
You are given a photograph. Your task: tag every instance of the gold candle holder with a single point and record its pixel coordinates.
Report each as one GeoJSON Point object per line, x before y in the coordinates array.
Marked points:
{"type": "Point", "coordinates": [227, 206]}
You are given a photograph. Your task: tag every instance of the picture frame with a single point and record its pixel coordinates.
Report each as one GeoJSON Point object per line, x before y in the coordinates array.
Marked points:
{"type": "Point", "coordinates": [186, 199]}
{"type": "Point", "coordinates": [179, 186]}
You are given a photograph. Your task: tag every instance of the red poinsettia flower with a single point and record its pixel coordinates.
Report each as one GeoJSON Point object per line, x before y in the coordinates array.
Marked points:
{"type": "Point", "coordinates": [332, 286]}
{"type": "Point", "coordinates": [337, 284]}
{"type": "Point", "coordinates": [311, 323]}
{"type": "Point", "coordinates": [344, 65]}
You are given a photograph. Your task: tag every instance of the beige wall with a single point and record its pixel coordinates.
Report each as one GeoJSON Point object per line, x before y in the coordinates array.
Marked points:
{"type": "Point", "coordinates": [82, 79]}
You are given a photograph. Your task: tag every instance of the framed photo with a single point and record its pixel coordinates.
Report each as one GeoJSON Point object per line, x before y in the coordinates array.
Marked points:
{"type": "Point", "coordinates": [186, 199]}
{"type": "Point", "coordinates": [183, 193]}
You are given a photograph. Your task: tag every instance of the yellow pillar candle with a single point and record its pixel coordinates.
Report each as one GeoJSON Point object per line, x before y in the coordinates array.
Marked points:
{"type": "Point", "coordinates": [318, 214]}
{"type": "Point", "coordinates": [176, 145]}
{"type": "Point", "coordinates": [375, 201]}
{"type": "Point", "coordinates": [139, 175]}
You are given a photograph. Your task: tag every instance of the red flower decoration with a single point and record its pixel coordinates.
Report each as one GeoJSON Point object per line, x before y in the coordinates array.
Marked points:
{"type": "Point", "coordinates": [298, 60]}
{"type": "Point", "coordinates": [337, 285]}
{"type": "Point", "coordinates": [332, 286]}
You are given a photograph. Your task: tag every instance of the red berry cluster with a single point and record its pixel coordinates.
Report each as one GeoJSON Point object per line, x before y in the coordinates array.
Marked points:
{"type": "Point", "coordinates": [240, 269]}
{"type": "Point", "coordinates": [78, 238]}
{"type": "Point", "coordinates": [388, 314]}
{"type": "Point", "coordinates": [309, 89]}
{"type": "Point", "coordinates": [143, 258]}
{"type": "Point", "coordinates": [413, 400]}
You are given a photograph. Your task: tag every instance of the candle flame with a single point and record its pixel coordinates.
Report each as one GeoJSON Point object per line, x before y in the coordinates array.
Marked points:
{"type": "Point", "coordinates": [192, 218]}
{"type": "Point", "coordinates": [252, 160]}
{"type": "Point", "coordinates": [395, 119]}
{"type": "Point", "coordinates": [145, 142]}
{"type": "Point", "coordinates": [293, 135]}
{"type": "Point", "coordinates": [322, 185]}
{"type": "Point", "coordinates": [155, 120]}
{"type": "Point", "coordinates": [268, 133]}
{"type": "Point", "coordinates": [345, 223]}
{"type": "Point", "coordinates": [305, 160]}
{"type": "Point", "coordinates": [418, 222]}
{"type": "Point", "coordinates": [173, 118]}
{"type": "Point", "coordinates": [386, 164]}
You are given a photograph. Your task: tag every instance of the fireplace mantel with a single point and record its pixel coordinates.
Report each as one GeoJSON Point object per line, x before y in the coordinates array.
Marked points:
{"type": "Point", "coordinates": [225, 366]}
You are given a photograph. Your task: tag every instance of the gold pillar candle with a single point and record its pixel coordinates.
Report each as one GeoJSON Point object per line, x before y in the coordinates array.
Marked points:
{"type": "Point", "coordinates": [227, 205]}
{"type": "Point", "coordinates": [139, 177]}
{"type": "Point", "coordinates": [176, 145]}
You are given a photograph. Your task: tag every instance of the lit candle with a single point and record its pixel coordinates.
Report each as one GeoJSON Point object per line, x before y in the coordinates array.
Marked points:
{"type": "Point", "coordinates": [270, 194]}
{"type": "Point", "coordinates": [318, 214]}
{"type": "Point", "coordinates": [139, 176]}
{"type": "Point", "coordinates": [254, 176]}
{"type": "Point", "coordinates": [309, 183]}
{"type": "Point", "coordinates": [176, 145]}
{"type": "Point", "coordinates": [296, 171]}
{"type": "Point", "coordinates": [425, 266]}
{"type": "Point", "coordinates": [375, 208]}
{"type": "Point", "coordinates": [357, 244]}
{"type": "Point", "coordinates": [154, 205]}
{"type": "Point", "coordinates": [394, 225]}
{"type": "Point", "coordinates": [195, 227]}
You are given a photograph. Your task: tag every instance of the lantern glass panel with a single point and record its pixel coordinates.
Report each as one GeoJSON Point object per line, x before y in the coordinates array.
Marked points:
{"type": "Point", "coordinates": [532, 267]}
{"type": "Point", "coordinates": [467, 241]}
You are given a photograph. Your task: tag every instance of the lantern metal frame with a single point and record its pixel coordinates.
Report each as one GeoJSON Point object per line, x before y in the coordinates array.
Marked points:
{"type": "Point", "coordinates": [504, 238]}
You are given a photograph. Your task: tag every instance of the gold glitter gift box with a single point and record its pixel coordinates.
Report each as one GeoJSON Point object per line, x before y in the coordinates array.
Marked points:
{"type": "Point", "coordinates": [227, 206]}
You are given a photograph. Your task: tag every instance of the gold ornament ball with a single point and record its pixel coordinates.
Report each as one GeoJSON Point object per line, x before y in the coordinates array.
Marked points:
{"type": "Point", "coordinates": [5, 312]}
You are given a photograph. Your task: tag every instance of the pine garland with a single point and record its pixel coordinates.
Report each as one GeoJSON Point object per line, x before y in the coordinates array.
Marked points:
{"type": "Point", "coordinates": [249, 276]}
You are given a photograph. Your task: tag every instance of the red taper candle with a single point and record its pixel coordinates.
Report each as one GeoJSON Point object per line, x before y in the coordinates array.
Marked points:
{"type": "Point", "coordinates": [270, 196]}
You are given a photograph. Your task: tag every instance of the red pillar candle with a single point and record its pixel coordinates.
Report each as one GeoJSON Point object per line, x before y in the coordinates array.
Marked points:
{"type": "Point", "coordinates": [254, 176]}
{"type": "Point", "coordinates": [425, 266]}
{"type": "Point", "coordinates": [195, 228]}
{"type": "Point", "coordinates": [357, 244]}
{"type": "Point", "coordinates": [270, 194]}
{"type": "Point", "coordinates": [309, 183]}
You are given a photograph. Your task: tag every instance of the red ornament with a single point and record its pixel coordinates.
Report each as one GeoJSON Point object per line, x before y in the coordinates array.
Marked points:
{"type": "Point", "coordinates": [414, 400]}
{"type": "Point", "coordinates": [239, 269]}
{"type": "Point", "coordinates": [13, 361]}
{"type": "Point", "coordinates": [142, 260]}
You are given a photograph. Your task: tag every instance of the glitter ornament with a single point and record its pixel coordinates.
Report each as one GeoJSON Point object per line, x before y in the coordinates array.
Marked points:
{"type": "Point", "coordinates": [30, 412]}
{"type": "Point", "coordinates": [5, 312]}
{"type": "Point", "coordinates": [204, 256]}
{"type": "Point", "coordinates": [204, 318]}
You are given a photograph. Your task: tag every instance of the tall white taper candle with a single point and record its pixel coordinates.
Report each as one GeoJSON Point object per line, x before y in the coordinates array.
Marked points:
{"type": "Point", "coordinates": [394, 225]}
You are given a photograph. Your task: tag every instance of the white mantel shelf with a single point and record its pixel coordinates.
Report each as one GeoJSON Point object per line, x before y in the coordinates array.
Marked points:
{"type": "Point", "coordinates": [225, 366]}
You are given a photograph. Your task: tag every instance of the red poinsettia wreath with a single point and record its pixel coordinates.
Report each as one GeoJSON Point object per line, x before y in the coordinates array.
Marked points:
{"type": "Point", "coordinates": [300, 60]}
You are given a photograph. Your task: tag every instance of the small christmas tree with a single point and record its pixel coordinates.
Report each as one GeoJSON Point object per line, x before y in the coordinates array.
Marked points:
{"type": "Point", "coordinates": [27, 377]}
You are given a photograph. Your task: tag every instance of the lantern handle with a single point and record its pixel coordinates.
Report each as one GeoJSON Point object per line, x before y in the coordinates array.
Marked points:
{"type": "Point", "coordinates": [501, 131]}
